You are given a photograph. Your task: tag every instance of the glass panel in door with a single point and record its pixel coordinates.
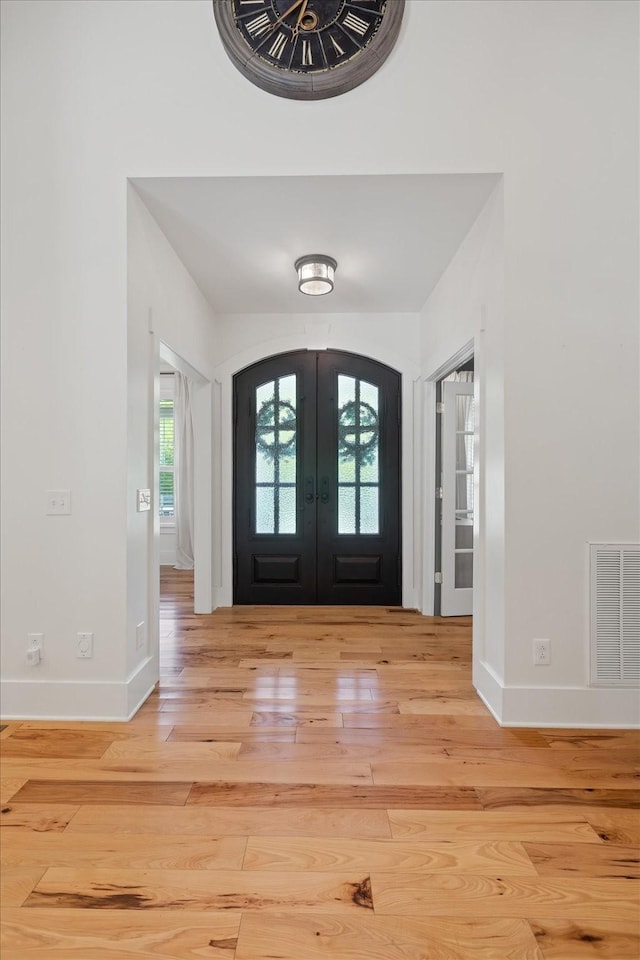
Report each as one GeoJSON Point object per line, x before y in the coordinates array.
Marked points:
{"type": "Point", "coordinates": [458, 431]}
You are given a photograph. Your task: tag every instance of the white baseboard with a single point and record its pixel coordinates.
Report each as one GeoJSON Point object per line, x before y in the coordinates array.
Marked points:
{"type": "Point", "coordinates": [489, 688]}
{"type": "Point", "coordinates": [570, 707]}
{"type": "Point", "coordinates": [141, 684]}
{"type": "Point", "coordinates": [78, 700]}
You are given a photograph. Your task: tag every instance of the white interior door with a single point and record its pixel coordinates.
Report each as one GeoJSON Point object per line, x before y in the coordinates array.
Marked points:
{"type": "Point", "coordinates": [458, 428]}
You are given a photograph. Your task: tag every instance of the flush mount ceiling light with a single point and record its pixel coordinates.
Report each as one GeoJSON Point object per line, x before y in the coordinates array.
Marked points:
{"type": "Point", "coordinates": [315, 274]}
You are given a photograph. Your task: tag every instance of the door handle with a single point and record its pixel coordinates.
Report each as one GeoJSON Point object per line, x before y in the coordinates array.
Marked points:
{"type": "Point", "coordinates": [309, 495]}
{"type": "Point", "coordinates": [324, 489]}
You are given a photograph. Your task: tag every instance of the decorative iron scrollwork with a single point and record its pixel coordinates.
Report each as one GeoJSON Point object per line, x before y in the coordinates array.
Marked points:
{"type": "Point", "coordinates": [358, 431]}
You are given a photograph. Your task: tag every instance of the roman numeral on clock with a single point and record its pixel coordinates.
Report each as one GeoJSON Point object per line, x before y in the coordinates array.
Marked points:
{"type": "Point", "coordinates": [336, 46]}
{"type": "Point", "coordinates": [277, 47]}
{"type": "Point", "coordinates": [355, 23]}
{"type": "Point", "coordinates": [307, 56]}
{"type": "Point", "coordinates": [259, 25]}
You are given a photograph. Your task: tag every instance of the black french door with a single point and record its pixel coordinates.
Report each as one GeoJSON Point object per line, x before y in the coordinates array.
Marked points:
{"type": "Point", "coordinates": [317, 481]}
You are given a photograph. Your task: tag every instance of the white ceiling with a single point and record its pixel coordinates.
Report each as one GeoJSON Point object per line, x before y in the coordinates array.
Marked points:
{"type": "Point", "coordinates": [393, 236]}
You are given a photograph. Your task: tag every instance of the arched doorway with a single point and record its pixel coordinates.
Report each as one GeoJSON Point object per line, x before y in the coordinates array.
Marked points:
{"type": "Point", "coordinates": [317, 480]}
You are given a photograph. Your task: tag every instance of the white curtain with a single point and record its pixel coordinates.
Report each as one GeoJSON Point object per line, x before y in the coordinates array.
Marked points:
{"type": "Point", "coordinates": [461, 376]}
{"type": "Point", "coordinates": [183, 472]}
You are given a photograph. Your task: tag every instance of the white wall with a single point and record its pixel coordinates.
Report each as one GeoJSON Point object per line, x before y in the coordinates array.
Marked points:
{"type": "Point", "coordinates": [94, 93]}
{"type": "Point", "coordinates": [467, 306]}
{"type": "Point", "coordinates": [167, 313]}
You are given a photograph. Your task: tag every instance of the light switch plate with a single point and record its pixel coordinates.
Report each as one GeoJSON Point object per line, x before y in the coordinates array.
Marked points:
{"type": "Point", "coordinates": [143, 502]}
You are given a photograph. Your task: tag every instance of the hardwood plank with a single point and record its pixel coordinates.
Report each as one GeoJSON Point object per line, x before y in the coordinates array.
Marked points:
{"type": "Point", "coordinates": [624, 760]}
{"type": "Point", "coordinates": [428, 735]}
{"type": "Point", "coordinates": [405, 721]}
{"type": "Point", "coordinates": [6, 729]}
{"type": "Point", "coordinates": [220, 676]}
{"type": "Point", "coordinates": [347, 699]}
{"type": "Point", "coordinates": [220, 821]}
{"type": "Point", "coordinates": [497, 798]}
{"type": "Point", "coordinates": [91, 791]}
{"type": "Point", "coordinates": [344, 708]}
{"type": "Point", "coordinates": [102, 850]}
{"type": "Point", "coordinates": [362, 796]}
{"type": "Point", "coordinates": [296, 718]}
{"type": "Point", "coordinates": [105, 771]}
{"type": "Point", "coordinates": [589, 860]}
{"type": "Point", "coordinates": [9, 786]}
{"type": "Point", "coordinates": [437, 674]}
{"type": "Point", "coordinates": [171, 751]}
{"type": "Point", "coordinates": [39, 817]}
{"type": "Point", "coordinates": [204, 733]}
{"type": "Point", "coordinates": [444, 704]}
{"type": "Point", "coordinates": [587, 939]}
{"type": "Point", "coordinates": [615, 825]}
{"type": "Point", "coordinates": [56, 743]}
{"type": "Point", "coordinates": [345, 772]}
{"type": "Point", "coordinates": [325, 647]}
{"type": "Point", "coordinates": [508, 858]}
{"type": "Point", "coordinates": [149, 725]}
{"type": "Point", "coordinates": [201, 890]}
{"type": "Point", "coordinates": [67, 934]}
{"type": "Point", "coordinates": [563, 739]}
{"type": "Point", "coordinates": [550, 825]}
{"type": "Point", "coordinates": [321, 752]}
{"type": "Point", "coordinates": [475, 896]}
{"type": "Point", "coordinates": [364, 677]}
{"type": "Point", "coordinates": [16, 883]}
{"type": "Point", "coordinates": [294, 936]}
{"type": "Point", "coordinates": [214, 707]}
{"type": "Point", "coordinates": [500, 773]}
{"type": "Point", "coordinates": [346, 661]}
{"type": "Point", "coordinates": [185, 700]}
{"type": "Point", "coordinates": [168, 769]}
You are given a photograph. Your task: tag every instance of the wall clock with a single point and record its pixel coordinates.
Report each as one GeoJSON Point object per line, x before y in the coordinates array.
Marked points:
{"type": "Point", "coordinates": [308, 49]}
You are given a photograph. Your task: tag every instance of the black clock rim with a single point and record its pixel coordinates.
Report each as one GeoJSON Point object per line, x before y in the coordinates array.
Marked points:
{"type": "Point", "coordinates": [300, 86]}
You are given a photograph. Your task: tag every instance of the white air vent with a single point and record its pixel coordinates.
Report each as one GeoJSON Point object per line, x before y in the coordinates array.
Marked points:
{"type": "Point", "coordinates": [615, 614]}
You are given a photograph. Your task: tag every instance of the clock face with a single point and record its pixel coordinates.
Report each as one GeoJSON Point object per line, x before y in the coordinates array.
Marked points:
{"type": "Point", "coordinates": [308, 49]}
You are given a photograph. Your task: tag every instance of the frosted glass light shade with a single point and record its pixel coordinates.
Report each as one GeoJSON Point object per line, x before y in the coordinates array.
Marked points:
{"type": "Point", "coordinates": [315, 274]}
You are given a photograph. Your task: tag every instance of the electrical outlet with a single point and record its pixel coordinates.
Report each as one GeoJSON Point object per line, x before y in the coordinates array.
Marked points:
{"type": "Point", "coordinates": [541, 652]}
{"type": "Point", "coordinates": [84, 645]}
{"type": "Point", "coordinates": [58, 502]}
{"type": "Point", "coordinates": [35, 641]}
{"type": "Point", "coordinates": [140, 635]}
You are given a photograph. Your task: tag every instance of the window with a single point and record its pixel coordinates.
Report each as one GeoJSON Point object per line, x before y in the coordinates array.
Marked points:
{"type": "Point", "coordinates": [167, 433]}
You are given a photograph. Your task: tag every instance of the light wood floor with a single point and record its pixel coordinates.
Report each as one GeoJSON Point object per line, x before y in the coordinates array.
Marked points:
{"type": "Point", "coordinates": [312, 783]}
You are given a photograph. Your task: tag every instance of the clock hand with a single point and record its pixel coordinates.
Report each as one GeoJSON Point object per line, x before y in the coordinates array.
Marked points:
{"type": "Point", "coordinates": [286, 13]}
{"type": "Point", "coordinates": [301, 13]}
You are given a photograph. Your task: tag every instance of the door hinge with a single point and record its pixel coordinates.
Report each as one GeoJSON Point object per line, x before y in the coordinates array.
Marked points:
{"type": "Point", "coordinates": [438, 493]}
{"type": "Point", "coordinates": [439, 407]}
{"type": "Point", "coordinates": [438, 578]}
